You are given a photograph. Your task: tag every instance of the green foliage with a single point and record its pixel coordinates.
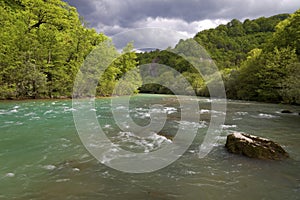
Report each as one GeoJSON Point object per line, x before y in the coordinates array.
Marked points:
{"type": "Point", "coordinates": [287, 33]}
{"type": "Point", "coordinates": [264, 73]}
{"type": "Point", "coordinates": [178, 63]}
{"type": "Point", "coordinates": [229, 44]}
{"type": "Point", "coordinates": [43, 44]}
{"type": "Point", "coordinates": [290, 88]}
{"type": "Point", "coordinates": [272, 74]}
{"type": "Point", "coordinates": [122, 76]}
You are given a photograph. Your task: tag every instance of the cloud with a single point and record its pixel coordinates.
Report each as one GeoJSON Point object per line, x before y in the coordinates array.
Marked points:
{"type": "Point", "coordinates": [188, 17]}
{"type": "Point", "coordinates": [184, 27]}
{"type": "Point", "coordinates": [148, 38]}
{"type": "Point", "coordinates": [126, 12]}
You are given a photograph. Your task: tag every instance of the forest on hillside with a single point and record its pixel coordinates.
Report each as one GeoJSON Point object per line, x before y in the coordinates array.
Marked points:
{"type": "Point", "coordinates": [44, 44]}
{"type": "Point", "coordinates": [258, 59]}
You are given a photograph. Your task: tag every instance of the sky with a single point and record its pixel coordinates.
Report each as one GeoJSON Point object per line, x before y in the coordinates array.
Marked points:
{"type": "Point", "coordinates": [184, 16]}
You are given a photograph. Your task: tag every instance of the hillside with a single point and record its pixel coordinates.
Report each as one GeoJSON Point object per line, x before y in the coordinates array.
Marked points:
{"type": "Point", "coordinates": [258, 59]}
{"type": "Point", "coordinates": [229, 44]}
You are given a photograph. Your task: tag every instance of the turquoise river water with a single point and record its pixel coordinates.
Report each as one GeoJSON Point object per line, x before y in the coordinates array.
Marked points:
{"type": "Point", "coordinates": [42, 157]}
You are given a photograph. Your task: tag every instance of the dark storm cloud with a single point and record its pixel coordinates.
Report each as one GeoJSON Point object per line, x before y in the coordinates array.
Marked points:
{"type": "Point", "coordinates": [125, 12]}
{"type": "Point", "coordinates": [186, 16]}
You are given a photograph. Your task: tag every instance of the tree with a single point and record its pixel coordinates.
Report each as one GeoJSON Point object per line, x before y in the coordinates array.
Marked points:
{"type": "Point", "coordinates": [273, 73]}
{"type": "Point", "coordinates": [43, 44]}
{"type": "Point", "coordinates": [113, 81]}
{"type": "Point", "coordinates": [290, 91]}
{"type": "Point", "coordinates": [247, 83]}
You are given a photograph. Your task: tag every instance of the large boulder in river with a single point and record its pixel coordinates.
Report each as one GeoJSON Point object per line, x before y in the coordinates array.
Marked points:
{"type": "Point", "coordinates": [254, 147]}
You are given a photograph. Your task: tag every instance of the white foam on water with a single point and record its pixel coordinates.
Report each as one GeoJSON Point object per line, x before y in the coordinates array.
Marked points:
{"type": "Point", "coordinates": [108, 156]}
{"type": "Point", "coordinates": [266, 116]}
{"type": "Point", "coordinates": [29, 114]}
{"type": "Point", "coordinates": [157, 110]}
{"type": "Point", "coordinates": [187, 124]}
{"type": "Point", "coordinates": [62, 180]}
{"type": "Point", "coordinates": [85, 156]}
{"type": "Point", "coordinates": [49, 167]}
{"type": "Point", "coordinates": [106, 173]}
{"type": "Point", "coordinates": [157, 137]}
{"type": "Point", "coordinates": [76, 169]}
{"type": "Point", "coordinates": [66, 145]}
{"type": "Point", "coordinates": [120, 108]}
{"type": "Point", "coordinates": [127, 134]}
{"type": "Point", "coordinates": [114, 150]}
{"type": "Point", "coordinates": [48, 111]}
{"type": "Point", "coordinates": [224, 126]}
{"type": "Point", "coordinates": [241, 113]}
{"type": "Point", "coordinates": [170, 110]}
{"type": "Point", "coordinates": [65, 140]}
{"type": "Point", "coordinates": [142, 115]}
{"type": "Point", "coordinates": [13, 111]}
{"type": "Point", "coordinates": [189, 172]}
{"type": "Point", "coordinates": [105, 159]}
{"type": "Point", "coordinates": [10, 175]}
{"type": "Point", "coordinates": [145, 111]}
{"type": "Point", "coordinates": [221, 138]}
{"type": "Point", "coordinates": [108, 126]}
{"type": "Point", "coordinates": [147, 144]}
{"type": "Point", "coordinates": [192, 151]}
{"type": "Point", "coordinates": [93, 145]}
{"type": "Point", "coordinates": [125, 125]}
{"type": "Point", "coordinates": [238, 118]}
{"type": "Point", "coordinates": [67, 109]}
{"type": "Point", "coordinates": [142, 109]}
{"type": "Point", "coordinates": [204, 111]}
{"type": "Point", "coordinates": [34, 118]}
{"type": "Point", "coordinates": [218, 112]}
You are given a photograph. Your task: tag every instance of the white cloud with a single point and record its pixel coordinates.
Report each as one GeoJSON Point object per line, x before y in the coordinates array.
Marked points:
{"type": "Point", "coordinates": [180, 25]}
{"type": "Point", "coordinates": [148, 38]}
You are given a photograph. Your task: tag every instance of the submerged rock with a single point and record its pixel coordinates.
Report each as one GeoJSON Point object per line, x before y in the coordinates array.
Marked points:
{"type": "Point", "coordinates": [254, 147]}
{"type": "Point", "coordinates": [286, 111]}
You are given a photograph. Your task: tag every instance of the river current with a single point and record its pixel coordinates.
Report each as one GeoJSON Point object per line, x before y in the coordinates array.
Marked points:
{"type": "Point", "coordinates": [42, 156]}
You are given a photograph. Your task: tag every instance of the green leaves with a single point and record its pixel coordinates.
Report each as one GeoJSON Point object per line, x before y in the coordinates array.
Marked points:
{"type": "Point", "coordinates": [264, 75]}
{"type": "Point", "coordinates": [257, 62]}
{"type": "Point", "coordinates": [43, 44]}
{"type": "Point", "coordinates": [290, 88]}
{"type": "Point", "coordinates": [229, 44]}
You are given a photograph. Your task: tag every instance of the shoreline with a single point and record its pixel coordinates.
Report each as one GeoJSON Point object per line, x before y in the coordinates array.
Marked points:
{"type": "Point", "coordinates": [107, 97]}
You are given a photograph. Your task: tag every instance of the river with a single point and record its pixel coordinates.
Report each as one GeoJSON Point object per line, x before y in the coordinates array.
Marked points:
{"type": "Point", "coordinates": [42, 157]}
